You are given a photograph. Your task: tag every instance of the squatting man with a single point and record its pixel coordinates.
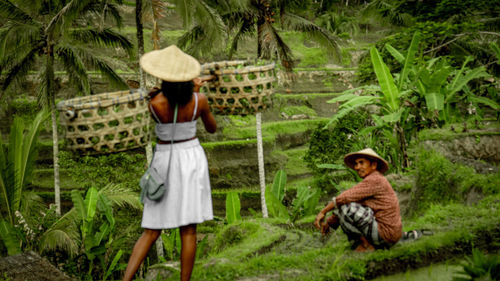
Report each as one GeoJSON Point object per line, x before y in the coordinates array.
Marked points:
{"type": "Point", "coordinates": [368, 212]}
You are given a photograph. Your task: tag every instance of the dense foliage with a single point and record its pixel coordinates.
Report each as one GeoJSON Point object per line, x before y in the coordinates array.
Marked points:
{"type": "Point", "coordinates": [330, 143]}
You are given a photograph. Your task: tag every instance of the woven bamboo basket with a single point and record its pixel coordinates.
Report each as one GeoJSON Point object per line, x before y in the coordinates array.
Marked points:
{"type": "Point", "coordinates": [104, 123]}
{"type": "Point", "coordinates": [239, 88]}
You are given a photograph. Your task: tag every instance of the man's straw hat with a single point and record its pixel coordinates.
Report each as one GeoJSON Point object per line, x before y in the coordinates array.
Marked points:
{"type": "Point", "coordinates": [171, 64]}
{"type": "Point", "coordinates": [349, 159]}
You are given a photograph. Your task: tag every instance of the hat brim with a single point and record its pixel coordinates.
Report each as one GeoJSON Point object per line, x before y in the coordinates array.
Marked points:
{"type": "Point", "coordinates": [382, 165]}
{"type": "Point", "coordinates": [170, 64]}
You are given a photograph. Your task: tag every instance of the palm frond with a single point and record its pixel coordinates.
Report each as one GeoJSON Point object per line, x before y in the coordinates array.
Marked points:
{"type": "Point", "coordinates": [21, 67]}
{"type": "Point", "coordinates": [184, 8]}
{"type": "Point", "coordinates": [4, 192]}
{"type": "Point", "coordinates": [31, 206]}
{"type": "Point", "coordinates": [213, 26]}
{"type": "Point", "coordinates": [272, 44]}
{"type": "Point", "coordinates": [316, 33]}
{"type": "Point", "coordinates": [59, 239]}
{"type": "Point", "coordinates": [108, 72]}
{"type": "Point", "coordinates": [74, 67]}
{"type": "Point", "coordinates": [29, 148]}
{"type": "Point", "coordinates": [206, 33]}
{"type": "Point", "coordinates": [18, 39]}
{"type": "Point", "coordinates": [64, 234]}
{"type": "Point", "coordinates": [189, 37]}
{"type": "Point", "coordinates": [246, 28]}
{"type": "Point", "coordinates": [105, 38]}
{"type": "Point", "coordinates": [14, 157]}
{"type": "Point", "coordinates": [111, 11]}
{"type": "Point", "coordinates": [121, 196]}
{"type": "Point", "coordinates": [10, 12]}
{"type": "Point", "coordinates": [65, 17]}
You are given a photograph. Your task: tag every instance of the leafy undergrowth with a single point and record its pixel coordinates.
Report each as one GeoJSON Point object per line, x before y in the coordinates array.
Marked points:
{"type": "Point", "coordinates": [273, 249]}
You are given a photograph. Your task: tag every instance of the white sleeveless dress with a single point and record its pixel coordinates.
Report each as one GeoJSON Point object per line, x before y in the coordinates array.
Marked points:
{"type": "Point", "coordinates": [188, 199]}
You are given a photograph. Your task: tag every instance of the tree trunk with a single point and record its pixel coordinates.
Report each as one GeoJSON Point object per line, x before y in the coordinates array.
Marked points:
{"type": "Point", "coordinates": [260, 156]}
{"type": "Point", "coordinates": [50, 95]}
{"type": "Point", "coordinates": [140, 39]}
{"type": "Point", "coordinates": [55, 147]}
{"type": "Point", "coordinates": [402, 146]}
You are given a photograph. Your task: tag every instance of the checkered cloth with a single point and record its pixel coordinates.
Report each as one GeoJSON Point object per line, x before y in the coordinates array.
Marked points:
{"type": "Point", "coordinates": [357, 220]}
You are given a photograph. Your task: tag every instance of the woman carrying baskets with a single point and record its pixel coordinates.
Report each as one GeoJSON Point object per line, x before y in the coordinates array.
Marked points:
{"type": "Point", "coordinates": [187, 200]}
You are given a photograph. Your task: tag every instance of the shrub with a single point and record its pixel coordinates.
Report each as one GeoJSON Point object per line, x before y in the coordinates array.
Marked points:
{"type": "Point", "coordinates": [432, 35]}
{"type": "Point", "coordinates": [440, 181]}
{"type": "Point", "coordinates": [96, 171]}
{"type": "Point", "coordinates": [331, 144]}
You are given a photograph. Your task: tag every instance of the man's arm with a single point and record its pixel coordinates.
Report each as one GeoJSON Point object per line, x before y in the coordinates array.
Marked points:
{"type": "Point", "coordinates": [321, 215]}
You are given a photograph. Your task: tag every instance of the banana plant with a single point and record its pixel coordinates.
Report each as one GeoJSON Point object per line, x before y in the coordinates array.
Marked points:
{"type": "Point", "coordinates": [95, 235]}
{"type": "Point", "coordinates": [440, 95]}
{"type": "Point", "coordinates": [305, 202]}
{"type": "Point", "coordinates": [275, 195]}
{"type": "Point", "coordinates": [387, 96]}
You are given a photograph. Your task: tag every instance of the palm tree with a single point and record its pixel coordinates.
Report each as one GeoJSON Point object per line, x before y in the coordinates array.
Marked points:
{"type": "Point", "coordinates": [206, 28]}
{"type": "Point", "coordinates": [16, 167]}
{"type": "Point", "coordinates": [47, 36]}
{"type": "Point", "coordinates": [258, 17]}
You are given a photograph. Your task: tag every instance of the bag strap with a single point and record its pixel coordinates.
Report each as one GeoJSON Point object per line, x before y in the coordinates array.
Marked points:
{"type": "Point", "coordinates": [172, 140]}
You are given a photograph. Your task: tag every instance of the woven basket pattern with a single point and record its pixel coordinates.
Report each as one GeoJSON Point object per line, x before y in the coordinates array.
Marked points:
{"type": "Point", "coordinates": [238, 87]}
{"type": "Point", "coordinates": [104, 123]}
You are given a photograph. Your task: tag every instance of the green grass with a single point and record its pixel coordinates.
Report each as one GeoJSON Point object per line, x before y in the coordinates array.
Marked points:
{"type": "Point", "coordinates": [307, 52]}
{"type": "Point", "coordinates": [295, 110]}
{"type": "Point", "coordinates": [44, 179]}
{"type": "Point", "coordinates": [302, 96]}
{"type": "Point", "coordinates": [446, 133]}
{"type": "Point", "coordinates": [270, 130]}
{"type": "Point", "coordinates": [263, 248]}
{"type": "Point", "coordinates": [295, 165]}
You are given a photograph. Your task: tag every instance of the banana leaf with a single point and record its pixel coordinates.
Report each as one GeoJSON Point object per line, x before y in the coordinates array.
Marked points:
{"type": "Point", "coordinates": [232, 207]}
{"type": "Point", "coordinates": [395, 53]}
{"type": "Point", "coordinates": [278, 187]}
{"type": "Point", "coordinates": [385, 79]}
{"type": "Point", "coordinates": [408, 61]}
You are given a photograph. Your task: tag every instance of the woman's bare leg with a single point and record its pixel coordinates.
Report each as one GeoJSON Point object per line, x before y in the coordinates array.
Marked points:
{"type": "Point", "coordinates": [188, 250]}
{"type": "Point", "coordinates": [140, 251]}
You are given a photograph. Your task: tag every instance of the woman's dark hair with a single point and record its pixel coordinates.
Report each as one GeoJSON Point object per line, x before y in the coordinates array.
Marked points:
{"type": "Point", "coordinates": [178, 92]}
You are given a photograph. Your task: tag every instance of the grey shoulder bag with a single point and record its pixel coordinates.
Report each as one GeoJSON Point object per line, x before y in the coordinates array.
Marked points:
{"type": "Point", "coordinates": [151, 184]}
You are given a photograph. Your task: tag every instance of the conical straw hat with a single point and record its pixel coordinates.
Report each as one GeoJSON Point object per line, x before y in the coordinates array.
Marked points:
{"type": "Point", "coordinates": [171, 64]}
{"type": "Point", "coordinates": [349, 159]}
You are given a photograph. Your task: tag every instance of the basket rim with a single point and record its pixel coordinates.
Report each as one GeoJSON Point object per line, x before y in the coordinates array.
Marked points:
{"type": "Point", "coordinates": [246, 69]}
{"type": "Point", "coordinates": [95, 101]}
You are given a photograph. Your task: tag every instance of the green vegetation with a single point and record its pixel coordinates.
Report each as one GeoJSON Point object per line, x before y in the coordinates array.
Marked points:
{"type": "Point", "coordinates": [440, 181]}
{"type": "Point", "coordinates": [429, 78]}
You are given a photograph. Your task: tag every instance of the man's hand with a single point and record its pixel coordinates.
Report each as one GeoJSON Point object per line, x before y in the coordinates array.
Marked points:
{"type": "Point", "coordinates": [319, 220]}
{"type": "Point", "coordinates": [325, 228]}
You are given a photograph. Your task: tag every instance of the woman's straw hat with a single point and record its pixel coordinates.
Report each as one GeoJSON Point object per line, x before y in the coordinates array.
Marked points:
{"type": "Point", "coordinates": [349, 159]}
{"type": "Point", "coordinates": [171, 64]}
